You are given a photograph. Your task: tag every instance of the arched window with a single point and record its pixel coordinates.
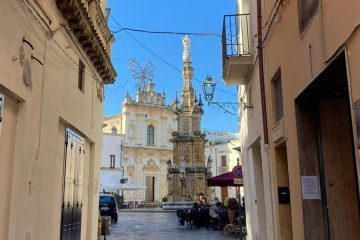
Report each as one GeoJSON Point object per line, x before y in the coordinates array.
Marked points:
{"type": "Point", "coordinates": [150, 134]}
{"type": "Point", "coordinates": [114, 130]}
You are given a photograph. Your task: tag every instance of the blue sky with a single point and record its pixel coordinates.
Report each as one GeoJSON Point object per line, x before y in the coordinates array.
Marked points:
{"type": "Point", "coordinates": [172, 16]}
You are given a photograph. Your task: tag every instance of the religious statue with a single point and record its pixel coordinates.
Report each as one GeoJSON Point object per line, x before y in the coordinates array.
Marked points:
{"type": "Point", "coordinates": [186, 53]}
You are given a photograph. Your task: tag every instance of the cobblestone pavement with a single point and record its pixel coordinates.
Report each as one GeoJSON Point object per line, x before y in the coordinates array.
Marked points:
{"type": "Point", "coordinates": [157, 226]}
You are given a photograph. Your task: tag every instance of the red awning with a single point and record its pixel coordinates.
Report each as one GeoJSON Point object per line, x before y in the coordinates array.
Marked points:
{"type": "Point", "coordinates": [224, 180]}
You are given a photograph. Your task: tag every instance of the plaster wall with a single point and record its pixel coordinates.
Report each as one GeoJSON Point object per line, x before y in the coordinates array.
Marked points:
{"type": "Point", "coordinates": [301, 56]}
{"type": "Point", "coordinates": [41, 112]}
{"type": "Point", "coordinates": [251, 140]}
{"type": "Point", "coordinates": [112, 145]}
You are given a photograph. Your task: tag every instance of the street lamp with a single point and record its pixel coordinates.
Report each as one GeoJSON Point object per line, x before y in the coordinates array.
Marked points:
{"type": "Point", "coordinates": [209, 88]}
{"type": "Point", "coordinates": [123, 180]}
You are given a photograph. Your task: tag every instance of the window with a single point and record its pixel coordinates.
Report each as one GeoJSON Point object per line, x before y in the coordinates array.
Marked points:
{"type": "Point", "coordinates": [112, 161]}
{"type": "Point", "coordinates": [279, 112]}
{"type": "Point", "coordinates": [81, 77]}
{"type": "Point", "coordinates": [114, 130]}
{"type": "Point", "coordinates": [106, 199]}
{"type": "Point", "coordinates": [223, 161]}
{"type": "Point", "coordinates": [150, 135]}
{"type": "Point", "coordinates": [307, 10]}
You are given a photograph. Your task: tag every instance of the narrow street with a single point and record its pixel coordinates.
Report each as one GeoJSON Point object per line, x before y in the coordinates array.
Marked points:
{"type": "Point", "coordinates": [156, 225]}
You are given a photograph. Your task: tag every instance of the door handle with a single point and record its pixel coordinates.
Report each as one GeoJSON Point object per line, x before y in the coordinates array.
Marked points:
{"type": "Point", "coordinates": [331, 183]}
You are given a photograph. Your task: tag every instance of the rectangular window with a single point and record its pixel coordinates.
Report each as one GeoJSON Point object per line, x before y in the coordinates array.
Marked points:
{"type": "Point", "coordinates": [112, 161]}
{"type": "Point", "coordinates": [81, 77]}
{"type": "Point", "coordinates": [150, 135]}
{"type": "Point", "coordinates": [307, 10]}
{"type": "Point", "coordinates": [279, 111]}
{"type": "Point", "coordinates": [223, 161]}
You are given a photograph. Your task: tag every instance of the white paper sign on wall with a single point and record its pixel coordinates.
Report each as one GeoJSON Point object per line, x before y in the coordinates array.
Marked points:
{"type": "Point", "coordinates": [310, 187]}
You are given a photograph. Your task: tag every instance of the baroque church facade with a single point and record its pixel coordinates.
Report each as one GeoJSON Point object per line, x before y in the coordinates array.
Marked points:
{"type": "Point", "coordinates": [147, 124]}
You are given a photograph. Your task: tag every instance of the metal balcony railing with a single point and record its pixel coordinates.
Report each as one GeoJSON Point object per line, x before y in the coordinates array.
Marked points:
{"type": "Point", "coordinates": [235, 36]}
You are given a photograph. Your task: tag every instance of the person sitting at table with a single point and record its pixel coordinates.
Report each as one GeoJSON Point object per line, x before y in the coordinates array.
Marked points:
{"type": "Point", "coordinates": [194, 213]}
{"type": "Point", "coordinates": [223, 217]}
{"type": "Point", "coordinates": [233, 208]}
{"type": "Point", "coordinates": [200, 198]}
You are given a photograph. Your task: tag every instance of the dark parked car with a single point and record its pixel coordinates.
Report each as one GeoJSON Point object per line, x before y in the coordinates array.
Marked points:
{"type": "Point", "coordinates": [108, 206]}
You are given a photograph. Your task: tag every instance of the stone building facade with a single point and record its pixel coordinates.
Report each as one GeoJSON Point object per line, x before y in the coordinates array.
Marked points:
{"type": "Point", "coordinates": [300, 139]}
{"type": "Point", "coordinates": [112, 169]}
{"type": "Point", "coordinates": [224, 151]}
{"type": "Point", "coordinates": [54, 62]}
{"type": "Point", "coordinates": [188, 172]}
{"type": "Point", "coordinates": [147, 124]}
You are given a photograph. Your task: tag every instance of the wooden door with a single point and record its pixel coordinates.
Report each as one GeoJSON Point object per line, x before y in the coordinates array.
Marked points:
{"type": "Point", "coordinates": [339, 170]}
{"type": "Point", "coordinates": [149, 196]}
{"type": "Point", "coordinates": [72, 189]}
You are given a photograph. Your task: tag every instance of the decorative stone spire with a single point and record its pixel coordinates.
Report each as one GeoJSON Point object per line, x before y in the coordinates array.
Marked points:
{"type": "Point", "coordinates": [128, 99]}
{"type": "Point", "coordinates": [200, 104]}
{"type": "Point", "coordinates": [188, 142]}
{"type": "Point", "coordinates": [174, 105]}
{"type": "Point", "coordinates": [187, 94]}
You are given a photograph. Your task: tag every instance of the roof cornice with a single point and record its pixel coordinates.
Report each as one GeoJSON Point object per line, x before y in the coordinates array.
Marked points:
{"type": "Point", "coordinates": [80, 22]}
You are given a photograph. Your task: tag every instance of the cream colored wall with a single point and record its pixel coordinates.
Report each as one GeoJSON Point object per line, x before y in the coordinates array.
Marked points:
{"type": "Point", "coordinates": [301, 57]}
{"type": "Point", "coordinates": [136, 159]}
{"type": "Point", "coordinates": [163, 121]}
{"type": "Point", "coordinates": [251, 135]}
{"type": "Point", "coordinates": [50, 104]}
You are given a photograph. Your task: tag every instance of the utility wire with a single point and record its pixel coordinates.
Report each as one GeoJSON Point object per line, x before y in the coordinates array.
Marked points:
{"type": "Point", "coordinates": [162, 59]}
{"type": "Point", "coordinates": [272, 20]}
{"type": "Point", "coordinates": [167, 32]}
{"type": "Point", "coordinates": [117, 87]}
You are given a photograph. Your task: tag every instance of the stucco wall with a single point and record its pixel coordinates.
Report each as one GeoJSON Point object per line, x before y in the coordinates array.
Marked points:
{"type": "Point", "coordinates": [45, 108]}
{"type": "Point", "coordinates": [301, 57]}
{"type": "Point", "coordinates": [112, 145]}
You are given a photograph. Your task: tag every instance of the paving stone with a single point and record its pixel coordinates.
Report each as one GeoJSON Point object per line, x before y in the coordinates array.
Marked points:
{"type": "Point", "coordinates": [158, 226]}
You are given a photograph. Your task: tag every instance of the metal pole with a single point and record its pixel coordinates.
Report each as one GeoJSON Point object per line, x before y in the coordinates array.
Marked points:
{"type": "Point", "coordinates": [261, 72]}
{"type": "Point", "coordinates": [123, 172]}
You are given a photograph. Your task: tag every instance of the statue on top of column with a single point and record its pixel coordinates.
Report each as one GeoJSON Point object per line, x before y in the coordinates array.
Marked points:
{"type": "Point", "coordinates": [186, 53]}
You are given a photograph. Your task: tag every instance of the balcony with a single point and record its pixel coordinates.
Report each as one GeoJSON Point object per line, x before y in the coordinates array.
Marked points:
{"type": "Point", "coordinates": [237, 58]}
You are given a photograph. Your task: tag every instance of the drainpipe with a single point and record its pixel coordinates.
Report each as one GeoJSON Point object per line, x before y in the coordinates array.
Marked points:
{"type": "Point", "coordinates": [261, 72]}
